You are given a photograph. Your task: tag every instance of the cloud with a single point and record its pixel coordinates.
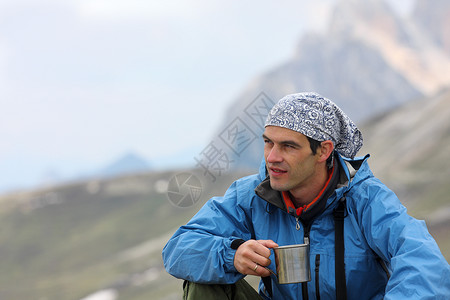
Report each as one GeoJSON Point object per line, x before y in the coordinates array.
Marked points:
{"type": "Point", "coordinates": [131, 9]}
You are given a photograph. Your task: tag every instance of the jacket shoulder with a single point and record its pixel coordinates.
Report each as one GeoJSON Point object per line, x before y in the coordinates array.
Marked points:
{"type": "Point", "coordinates": [244, 187]}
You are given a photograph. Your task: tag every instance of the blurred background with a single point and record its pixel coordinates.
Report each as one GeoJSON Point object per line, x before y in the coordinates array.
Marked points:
{"type": "Point", "coordinates": [119, 119]}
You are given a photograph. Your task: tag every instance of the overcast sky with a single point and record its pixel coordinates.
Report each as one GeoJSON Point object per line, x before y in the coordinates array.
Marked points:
{"type": "Point", "coordinates": [83, 82]}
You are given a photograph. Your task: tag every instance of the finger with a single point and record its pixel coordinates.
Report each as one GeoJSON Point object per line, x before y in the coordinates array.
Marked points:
{"type": "Point", "coordinates": [259, 248]}
{"type": "Point", "coordinates": [255, 268]}
{"type": "Point", "coordinates": [268, 243]}
{"type": "Point", "coordinates": [263, 272]}
{"type": "Point", "coordinates": [251, 258]}
{"type": "Point", "coordinates": [259, 270]}
{"type": "Point", "coordinates": [259, 254]}
{"type": "Point", "coordinates": [261, 260]}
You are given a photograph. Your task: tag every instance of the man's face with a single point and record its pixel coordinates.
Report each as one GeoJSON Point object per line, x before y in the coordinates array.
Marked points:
{"type": "Point", "coordinates": [289, 159]}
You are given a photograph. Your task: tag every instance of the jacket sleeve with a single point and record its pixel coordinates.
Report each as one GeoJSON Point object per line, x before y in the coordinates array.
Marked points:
{"type": "Point", "coordinates": [200, 251]}
{"type": "Point", "coordinates": [418, 269]}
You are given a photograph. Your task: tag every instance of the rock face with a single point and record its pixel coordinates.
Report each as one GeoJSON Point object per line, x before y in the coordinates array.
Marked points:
{"type": "Point", "coordinates": [434, 19]}
{"type": "Point", "coordinates": [368, 61]}
{"type": "Point", "coordinates": [411, 143]}
{"type": "Point", "coordinates": [409, 152]}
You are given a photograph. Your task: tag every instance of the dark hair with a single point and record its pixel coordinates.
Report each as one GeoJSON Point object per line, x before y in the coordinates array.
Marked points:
{"type": "Point", "coordinates": [314, 145]}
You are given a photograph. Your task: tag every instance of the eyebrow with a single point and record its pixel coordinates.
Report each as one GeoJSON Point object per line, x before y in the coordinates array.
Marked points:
{"type": "Point", "coordinates": [287, 142]}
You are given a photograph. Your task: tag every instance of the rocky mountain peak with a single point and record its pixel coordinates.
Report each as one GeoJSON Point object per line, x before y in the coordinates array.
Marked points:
{"type": "Point", "coordinates": [406, 45]}
{"type": "Point", "coordinates": [434, 19]}
{"type": "Point", "coordinates": [363, 19]}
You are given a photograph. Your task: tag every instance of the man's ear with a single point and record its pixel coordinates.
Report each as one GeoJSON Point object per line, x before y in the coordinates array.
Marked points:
{"type": "Point", "coordinates": [325, 150]}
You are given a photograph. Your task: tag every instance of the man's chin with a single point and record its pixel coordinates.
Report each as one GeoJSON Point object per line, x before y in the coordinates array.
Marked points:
{"type": "Point", "coordinates": [278, 187]}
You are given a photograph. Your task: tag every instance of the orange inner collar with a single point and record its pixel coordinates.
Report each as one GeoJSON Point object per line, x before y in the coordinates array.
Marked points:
{"type": "Point", "coordinates": [299, 210]}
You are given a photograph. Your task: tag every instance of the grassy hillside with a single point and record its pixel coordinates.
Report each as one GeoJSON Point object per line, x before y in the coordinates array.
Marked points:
{"type": "Point", "coordinates": [70, 241]}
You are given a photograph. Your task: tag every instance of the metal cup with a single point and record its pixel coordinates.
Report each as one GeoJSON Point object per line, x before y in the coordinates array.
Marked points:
{"type": "Point", "coordinates": [292, 263]}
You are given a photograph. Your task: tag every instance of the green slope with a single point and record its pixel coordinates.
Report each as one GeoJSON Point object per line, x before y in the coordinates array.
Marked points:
{"type": "Point", "coordinates": [70, 241]}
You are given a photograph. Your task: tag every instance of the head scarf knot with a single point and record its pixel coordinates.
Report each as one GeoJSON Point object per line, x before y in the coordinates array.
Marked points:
{"type": "Point", "coordinates": [318, 118]}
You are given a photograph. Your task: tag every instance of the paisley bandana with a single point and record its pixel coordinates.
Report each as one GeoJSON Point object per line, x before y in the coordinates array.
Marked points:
{"type": "Point", "coordinates": [318, 118]}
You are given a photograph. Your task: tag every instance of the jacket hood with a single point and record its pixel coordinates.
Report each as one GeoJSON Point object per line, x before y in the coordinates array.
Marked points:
{"type": "Point", "coordinates": [356, 170]}
{"type": "Point", "coordinates": [262, 172]}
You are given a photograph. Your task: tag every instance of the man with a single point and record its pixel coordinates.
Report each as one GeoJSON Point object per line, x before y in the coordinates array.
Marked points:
{"type": "Point", "coordinates": [363, 244]}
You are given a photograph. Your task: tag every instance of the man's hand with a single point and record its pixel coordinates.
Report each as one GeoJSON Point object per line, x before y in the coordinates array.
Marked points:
{"type": "Point", "coordinates": [252, 256]}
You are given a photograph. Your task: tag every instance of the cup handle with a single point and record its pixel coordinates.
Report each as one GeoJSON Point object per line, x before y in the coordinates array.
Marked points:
{"type": "Point", "coordinates": [272, 272]}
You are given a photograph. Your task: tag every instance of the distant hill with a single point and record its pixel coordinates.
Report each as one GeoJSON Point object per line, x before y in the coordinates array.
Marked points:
{"type": "Point", "coordinates": [126, 164]}
{"type": "Point", "coordinates": [368, 61]}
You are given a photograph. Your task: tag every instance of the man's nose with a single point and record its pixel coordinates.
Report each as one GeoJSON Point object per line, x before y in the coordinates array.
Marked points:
{"type": "Point", "coordinates": [274, 155]}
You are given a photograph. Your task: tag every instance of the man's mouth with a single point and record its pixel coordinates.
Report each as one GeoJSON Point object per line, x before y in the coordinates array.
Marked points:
{"type": "Point", "coordinates": [277, 171]}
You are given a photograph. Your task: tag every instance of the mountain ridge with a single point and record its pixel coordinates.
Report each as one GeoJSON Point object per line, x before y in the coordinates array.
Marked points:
{"type": "Point", "coordinates": [367, 69]}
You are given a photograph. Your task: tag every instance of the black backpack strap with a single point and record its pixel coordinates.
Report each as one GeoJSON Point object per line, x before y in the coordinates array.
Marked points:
{"type": "Point", "coordinates": [268, 285]}
{"type": "Point", "coordinates": [339, 216]}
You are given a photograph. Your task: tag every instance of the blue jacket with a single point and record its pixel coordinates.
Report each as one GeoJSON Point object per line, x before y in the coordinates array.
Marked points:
{"type": "Point", "coordinates": [377, 226]}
